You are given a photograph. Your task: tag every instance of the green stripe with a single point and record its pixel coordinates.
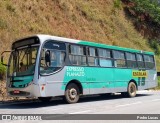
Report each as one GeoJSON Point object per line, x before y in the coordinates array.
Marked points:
{"type": "Point", "coordinates": [21, 84]}
{"type": "Point", "coordinates": [113, 47]}
{"type": "Point", "coordinates": [98, 77]}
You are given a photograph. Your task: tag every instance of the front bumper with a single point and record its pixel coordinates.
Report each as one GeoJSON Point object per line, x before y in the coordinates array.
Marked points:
{"type": "Point", "coordinates": [31, 91]}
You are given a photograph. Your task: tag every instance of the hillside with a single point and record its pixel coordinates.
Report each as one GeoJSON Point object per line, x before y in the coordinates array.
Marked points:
{"type": "Point", "coordinates": [98, 21]}
{"type": "Point", "coordinates": [102, 21]}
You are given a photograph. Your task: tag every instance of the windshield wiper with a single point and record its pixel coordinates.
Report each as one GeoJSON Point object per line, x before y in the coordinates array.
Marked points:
{"type": "Point", "coordinates": [24, 54]}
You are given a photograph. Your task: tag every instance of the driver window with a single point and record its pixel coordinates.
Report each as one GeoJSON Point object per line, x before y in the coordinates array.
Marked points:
{"type": "Point", "coordinates": [52, 58]}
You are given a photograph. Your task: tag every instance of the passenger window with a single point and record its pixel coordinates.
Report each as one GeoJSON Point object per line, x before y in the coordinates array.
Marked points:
{"type": "Point", "coordinates": [105, 59]}
{"type": "Point", "coordinates": [76, 50]}
{"type": "Point", "coordinates": [92, 57]}
{"type": "Point", "coordinates": [149, 62]}
{"type": "Point", "coordinates": [104, 53]}
{"type": "Point", "coordinates": [131, 60]}
{"type": "Point", "coordinates": [140, 61]}
{"type": "Point", "coordinates": [77, 55]}
{"type": "Point", "coordinates": [119, 59]}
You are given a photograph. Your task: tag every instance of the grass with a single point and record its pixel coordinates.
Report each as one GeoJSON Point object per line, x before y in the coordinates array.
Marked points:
{"type": "Point", "coordinates": [158, 87]}
{"type": "Point", "coordinates": [10, 8]}
{"type": "Point", "coordinates": [3, 24]}
{"type": "Point", "coordinates": [2, 71]}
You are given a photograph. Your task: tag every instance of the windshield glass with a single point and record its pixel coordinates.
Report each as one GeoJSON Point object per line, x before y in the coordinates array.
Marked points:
{"type": "Point", "coordinates": [22, 61]}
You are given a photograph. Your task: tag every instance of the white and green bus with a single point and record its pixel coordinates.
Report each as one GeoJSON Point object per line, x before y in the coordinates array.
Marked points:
{"type": "Point", "coordinates": [44, 66]}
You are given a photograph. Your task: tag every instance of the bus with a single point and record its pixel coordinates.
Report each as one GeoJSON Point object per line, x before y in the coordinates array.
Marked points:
{"type": "Point", "coordinates": [45, 66]}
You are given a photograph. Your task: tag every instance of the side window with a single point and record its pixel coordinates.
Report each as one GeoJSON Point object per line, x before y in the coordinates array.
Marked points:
{"type": "Point", "coordinates": [119, 59]}
{"type": "Point", "coordinates": [105, 58]}
{"type": "Point", "coordinates": [149, 62]}
{"type": "Point", "coordinates": [57, 58]}
{"type": "Point", "coordinates": [140, 61]}
{"type": "Point", "coordinates": [77, 55]}
{"type": "Point", "coordinates": [92, 57]}
{"type": "Point", "coordinates": [104, 53]}
{"type": "Point", "coordinates": [131, 60]}
{"type": "Point", "coordinates": [52, 57]}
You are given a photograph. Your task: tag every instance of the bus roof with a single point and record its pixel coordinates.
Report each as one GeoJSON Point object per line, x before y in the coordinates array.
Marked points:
{"type": "Point", "coordinates": [43, 38]}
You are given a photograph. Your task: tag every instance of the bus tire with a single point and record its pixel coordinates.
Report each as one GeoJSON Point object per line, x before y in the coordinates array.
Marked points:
{"type": "Point", "coordinates": [45, 99]}
{"type": "Point", "coordinates": [72, 93]}
{"type": "Point", "coordinates": [132, 89]}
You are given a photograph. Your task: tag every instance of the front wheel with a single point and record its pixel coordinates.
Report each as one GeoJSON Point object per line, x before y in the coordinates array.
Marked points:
{"type": "Point", "coordinates": [72, 93]}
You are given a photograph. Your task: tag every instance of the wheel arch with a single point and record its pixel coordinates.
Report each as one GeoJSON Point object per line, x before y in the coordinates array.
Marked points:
{"type": "Point", "coordinates": [77, 83]}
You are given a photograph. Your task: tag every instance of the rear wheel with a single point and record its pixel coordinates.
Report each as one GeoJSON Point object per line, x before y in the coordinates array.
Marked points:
{"type": "Point", "coordinates": [72, 93]}
{"type": "Point", "coordinates": [45, 99]}
{"type": "Point", "coordinates": [131, 91]}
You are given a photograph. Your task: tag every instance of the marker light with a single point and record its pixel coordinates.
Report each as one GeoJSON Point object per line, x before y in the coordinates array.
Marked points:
{"type": "Point", "coordinates": [43, 87]}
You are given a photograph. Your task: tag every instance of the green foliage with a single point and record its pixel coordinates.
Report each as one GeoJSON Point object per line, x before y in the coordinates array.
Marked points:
{"type": "Point", "coordinates": [2, 71]}
{"type": "Point", "coordinates": [117, 4]}
{"type": "Point", "coordinates": [158, 87]}
{"type": "Point", "coordinates": [158, 81]}
{"type": "Point", "coordinates": [147, 7]}
{"type": "Point", "coordinates": [155, 45]}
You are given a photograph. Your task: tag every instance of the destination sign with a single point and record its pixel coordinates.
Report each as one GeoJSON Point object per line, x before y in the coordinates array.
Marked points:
{"type": "Point", "coordinates": [139, 74]}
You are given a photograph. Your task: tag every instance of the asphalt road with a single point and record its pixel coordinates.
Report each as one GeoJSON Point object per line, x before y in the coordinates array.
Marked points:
{"type": "Point", "coordinates": [146, 102]}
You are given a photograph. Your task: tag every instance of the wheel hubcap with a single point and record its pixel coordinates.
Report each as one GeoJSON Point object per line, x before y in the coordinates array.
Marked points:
{"type": "Point", "coordinates": [132, 89]}
{"type": "Point", "coordinates": [72, 93]}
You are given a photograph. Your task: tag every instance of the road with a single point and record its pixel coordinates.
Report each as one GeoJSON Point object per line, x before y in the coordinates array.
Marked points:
{"type": "Point", "coordinates": [146, 102]}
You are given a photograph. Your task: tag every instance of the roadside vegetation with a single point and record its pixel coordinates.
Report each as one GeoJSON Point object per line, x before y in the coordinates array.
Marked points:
{"type": "Point", "coordinates": [2, 71]}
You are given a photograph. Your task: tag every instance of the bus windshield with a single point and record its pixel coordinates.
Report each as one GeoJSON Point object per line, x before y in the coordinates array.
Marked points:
{"type": "Point", "coordinates": [22, 61]}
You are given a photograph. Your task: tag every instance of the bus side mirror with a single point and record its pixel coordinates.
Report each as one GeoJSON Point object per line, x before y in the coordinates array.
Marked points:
{"type": "Point", "coordinates": [3, 61]}
{"type": "Point", "coordinates": [47, 58]}
{"type": "Point", "coordinates": [2, 57]}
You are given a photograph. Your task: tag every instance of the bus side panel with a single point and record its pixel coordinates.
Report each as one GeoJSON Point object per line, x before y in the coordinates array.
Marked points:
{"type": "Point", "coordinates": [152, 79]}
{"type": "Point", "coordinates": [97, 80]}
{"type": "Point", "coordinates": [100, 80]}
{"type": "Point", "coordinates": [54, 83]}
{"type": "Point", "coordinates": [78, 74]}
{"type": "Point", "coordinates": [149, 81]}
{"type": "Point", "coordinates": [122, 78]}
{"type": "Point", "coordinates": [94, 80]}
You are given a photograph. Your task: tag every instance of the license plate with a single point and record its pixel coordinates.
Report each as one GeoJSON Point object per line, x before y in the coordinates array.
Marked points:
{"type": "Point", "coordinates": [16, 91]}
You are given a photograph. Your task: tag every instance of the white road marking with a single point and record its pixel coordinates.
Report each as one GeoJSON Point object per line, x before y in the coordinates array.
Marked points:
{"type": "Point", "coordinates": [50, 109]}
{"type": "Point", "coordinates": [80, 112]}
{"type": "Point", "coordinates": [128, 104]}
{"type": "Point", "coordinates": [144, 91]}
{"type": "Point", "coordinates": [155, 100]}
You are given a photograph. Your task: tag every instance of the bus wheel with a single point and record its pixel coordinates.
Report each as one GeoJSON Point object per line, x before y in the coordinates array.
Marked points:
{"type": "Point", "coordinates": [132, 89]}
{"type": "Point", "coordinates": [45, 99]}
{"type": "Point", "coordinates": [72, 93]}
